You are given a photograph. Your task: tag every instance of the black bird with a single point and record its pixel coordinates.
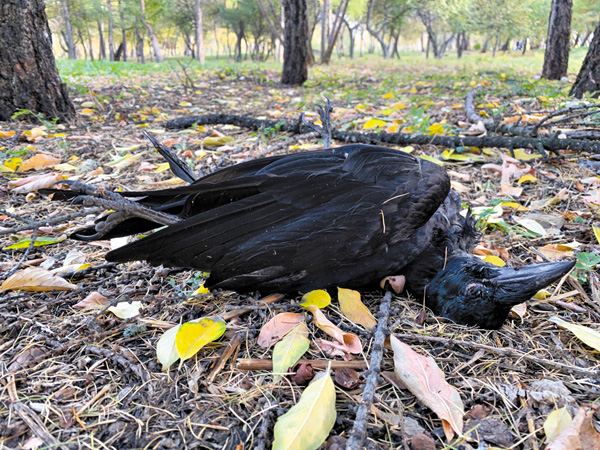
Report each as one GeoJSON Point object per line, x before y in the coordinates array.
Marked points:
{"type": "Point", "coordinates": [347, 216]}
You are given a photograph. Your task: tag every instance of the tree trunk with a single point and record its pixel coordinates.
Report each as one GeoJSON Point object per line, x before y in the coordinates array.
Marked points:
{"type": "Point", "coordinates": [140, 45]}
{"type": "Point", "coordinates": [123, 31]}
{"type": "Point", "coordinates": [102, 50]}
{"type": "Point", "coordinates": [335, 31]}
{"type": "Point", "coordinates": [377, 34]}
{"type": "Point", "coordinates": [556, 57]}
{"type": "Point", "coordinates": [89, 36]}
{"type": "Point", "coordinates": [80, 34]}
{"type": "Point", "coordinates": [352, 38]}
{"type": "Point", "coordinates": [295, 42]}
{"type": "Point", "coordinates": [111, 40]}
{"type": "Point", "coordinates": [153, 39]}
{"type": "Point", "coordinates": [199, 37]}
{"type": "Point", "coordinates": [68, 31]}
{"type": "Point", "coordinates": [28, 75]}
{"type": "Point", "coordinates": [324, 28]}
{"type": "Point", "coordinates": [588, 79]}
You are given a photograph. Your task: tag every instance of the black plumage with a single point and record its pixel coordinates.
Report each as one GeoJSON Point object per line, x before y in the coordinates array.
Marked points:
{"type": "Point", "coordinates": [347, 217]}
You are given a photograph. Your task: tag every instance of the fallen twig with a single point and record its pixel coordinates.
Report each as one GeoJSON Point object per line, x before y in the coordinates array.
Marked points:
{"type": "Point", "coordinates": [358, 434]}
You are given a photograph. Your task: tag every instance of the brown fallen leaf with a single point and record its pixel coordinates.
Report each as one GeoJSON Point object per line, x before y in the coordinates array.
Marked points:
{"type": "Point", "coordinates": [94, 300]}
{"type": "Point", "coordinates": [346, 378]}
{"type": "Point", "coordinates": [39, 161]}
{"type": "Point", "coordinates": [425, 380]}
{"type": "Point", "coordinates": [278, 327]}
{"type": "Point", "coordinates": [36, 279]}
{"type": "Point", "coordinates": [304, 373]}
{"type": "Point", "coordinates": [580, 435]}
{"type": "Point", "coordinates": [35, 182]}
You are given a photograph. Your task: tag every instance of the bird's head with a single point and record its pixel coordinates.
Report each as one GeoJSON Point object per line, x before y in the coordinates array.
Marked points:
{"type": "Point", "coordinates": [473, 292]}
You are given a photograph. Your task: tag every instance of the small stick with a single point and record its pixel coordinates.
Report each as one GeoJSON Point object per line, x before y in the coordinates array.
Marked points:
{"type": "Point", "coordinates": [265, 300]}
{"type": "Point", "coordinates": [267, 364]}
{"type": "Point", "coordinates": [358, 434]}
{"type": "Point", "coordinates": [232, 347]}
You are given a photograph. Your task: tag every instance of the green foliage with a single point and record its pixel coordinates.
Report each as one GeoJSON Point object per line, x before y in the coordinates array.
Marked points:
{"type": "Point", "coordinates": [49, 124]}
{"type": "Point", "coordinates": [585, 262]}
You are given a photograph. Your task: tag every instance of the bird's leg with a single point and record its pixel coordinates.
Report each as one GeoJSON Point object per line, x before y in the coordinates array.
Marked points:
{"type": "Point", "coordinates": [325, 116]}
{"type": "Point", "coordinates": [125, 209]}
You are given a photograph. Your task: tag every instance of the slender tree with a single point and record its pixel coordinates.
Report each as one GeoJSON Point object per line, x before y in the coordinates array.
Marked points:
{"type": "Point", "coordinates": [588, 79]}
{"type": "Point", "coordinates": [68, 30]}
{"type": "Point", "coordinates": [28, 75]}
{"type": "Point", "coordinates": [558, 43]}
{"type": "Point", "coordinates": [199, 37]}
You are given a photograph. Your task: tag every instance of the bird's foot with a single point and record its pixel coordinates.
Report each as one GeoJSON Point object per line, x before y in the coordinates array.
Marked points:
{"type": "Point", "coordinates": [325, 116]}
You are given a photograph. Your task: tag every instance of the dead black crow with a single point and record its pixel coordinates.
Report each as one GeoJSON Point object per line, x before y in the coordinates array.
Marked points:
{"type": "Point", "coordinates": [347, 216]}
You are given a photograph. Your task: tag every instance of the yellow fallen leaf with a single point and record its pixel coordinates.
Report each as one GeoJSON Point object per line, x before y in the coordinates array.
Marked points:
{"type": "Point", "coordinates": [126, 310]}
{"type": "Point", "coordinates": [494, 260]}
{"type": "Point", "coordinates": [192, 336]}
{"type": "Point", "coordinates": [65, 167]}
{"type": "Point", "coordinates": [33, 134]}
{"type": "Point", "coordinates": [127, 149]}
{"type": "Point", "coordinates": [290, 349]}
{"type": "Point", "coordinates": [432, 159]}
{"type": "Point", "coordinates": [596, 233]}
{"type": "Point", "coordinates": [521, 155]}
{"type": "Point", "coordinates": [87, 112]}
{"type": "Point", "coordinates": [556, 422]}
{"type": "Point", "coordinates": [426, 381]}
{"type": "Point", "coordinates": [318, 297]}
{"type": "Point", "coordinates": [352, 307]}
{"type": "Point", "coordinates": [516, 206]}
{"type": "Point", "coordinates": [202, 290]}
{"type": "Point", "coordinates": [585, 334]}
{"type": "Point", "coordinates": [436, 128]}
{"type": "Point", "coordinates": [308, 423]}
{"type": "Point", "coordinates": [217, 141]}
{"type": "Point", "coordinates": [6, 134]}
{"type": "Point", "coordinates": [527, 179]}
{"type": "Point", "coordinates": [398, 105]}
{"type": "Point", "coordinates": [36, 279]}
{"type": "Point", "coordinates": [374, 123]}
{"type": "Point", "coordinates": [350, 341]}
{"type": "Point", "coordinates": [542, 294]}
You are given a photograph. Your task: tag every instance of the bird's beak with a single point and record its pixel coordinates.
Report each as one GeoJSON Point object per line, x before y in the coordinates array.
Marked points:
{"type": "Point", "coordinates": [520, 284]}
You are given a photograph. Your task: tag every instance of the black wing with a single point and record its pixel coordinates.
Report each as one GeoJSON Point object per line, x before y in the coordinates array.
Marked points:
{"type": "Point", "coordinates": [333, 217]}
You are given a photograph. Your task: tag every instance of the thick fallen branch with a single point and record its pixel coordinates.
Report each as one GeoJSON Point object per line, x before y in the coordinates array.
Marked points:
{"type": "Point", "coordinates": [495, 125]}
{"type": "Point", "coordinates": [549, 144]}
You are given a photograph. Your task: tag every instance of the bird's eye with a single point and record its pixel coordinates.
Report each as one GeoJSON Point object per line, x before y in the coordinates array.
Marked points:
{"type": "Point", "coordinates": [474, 290]}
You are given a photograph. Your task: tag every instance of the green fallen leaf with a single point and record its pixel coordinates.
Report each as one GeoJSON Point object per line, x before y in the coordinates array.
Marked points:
{"type": "Point", "coordinates": [307, 424]}
{"type": "Point", "coordinates": [44, 240]}
{"type": "Point", "coordinates": [290, 349]}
